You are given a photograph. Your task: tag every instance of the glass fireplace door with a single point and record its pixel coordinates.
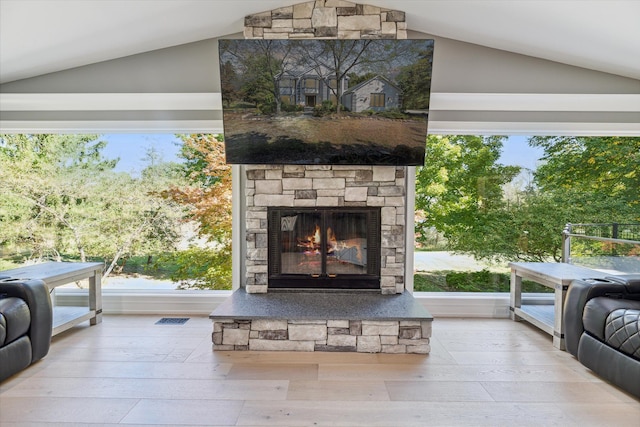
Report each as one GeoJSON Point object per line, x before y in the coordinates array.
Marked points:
{"type": "Point", "coordinates": [301, 247]}
{"type": "Point", "coordinates": [324, 248]}
{"type": "Point", "coordinates": [346, 243]}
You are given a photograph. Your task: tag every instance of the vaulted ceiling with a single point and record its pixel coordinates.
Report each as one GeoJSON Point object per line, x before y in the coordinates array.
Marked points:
{"type": "Point", "coordinates": [43, 36]}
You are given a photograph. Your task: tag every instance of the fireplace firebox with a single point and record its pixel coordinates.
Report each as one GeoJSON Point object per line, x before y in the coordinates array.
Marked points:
{"type": "Point", "coordinates": [324, 248]}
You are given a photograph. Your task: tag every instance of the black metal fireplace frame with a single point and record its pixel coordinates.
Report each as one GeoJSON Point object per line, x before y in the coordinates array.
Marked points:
{"type": "Point", "coordinates": [370, 280]}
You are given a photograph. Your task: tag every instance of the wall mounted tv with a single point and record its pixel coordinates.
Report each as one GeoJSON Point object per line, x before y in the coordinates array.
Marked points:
{"type": "Point", "coordinates": [348, 102]}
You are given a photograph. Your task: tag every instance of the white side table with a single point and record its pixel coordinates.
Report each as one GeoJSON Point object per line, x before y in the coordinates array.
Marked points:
{"type": "Point", "coordinates": [554, 275]}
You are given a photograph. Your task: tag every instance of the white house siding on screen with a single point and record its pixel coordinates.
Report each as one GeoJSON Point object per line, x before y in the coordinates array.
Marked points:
{"type": "Point", "coordinates": [358, 98]}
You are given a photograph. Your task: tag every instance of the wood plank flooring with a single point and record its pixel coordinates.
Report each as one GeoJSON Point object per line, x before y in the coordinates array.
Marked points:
{"type": "Point", "coordinates": [481, 372]}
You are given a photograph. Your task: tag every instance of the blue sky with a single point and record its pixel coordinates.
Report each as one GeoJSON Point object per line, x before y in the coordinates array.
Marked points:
{"type": "Point", "coordinates": [131, 148]}
{"type": "Point", "coordinates": [516, 151]}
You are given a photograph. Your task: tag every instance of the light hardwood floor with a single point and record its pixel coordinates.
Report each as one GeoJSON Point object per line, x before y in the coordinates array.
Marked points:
{"type": "Point", "coordinates": [485, 372]}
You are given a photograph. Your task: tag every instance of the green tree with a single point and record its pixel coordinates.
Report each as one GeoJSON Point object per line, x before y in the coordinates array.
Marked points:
{"type": "Point", "coordinates": [207, 196]}
{"type": "Point", "coordinates": [459, 190]}
{"type": "Point", "coordinates": [602, 168]}
{"type": "Point", "coordinates": [415, 82]}
{"type": "Point", "coordinates": [537, 222]}
{"type": "Point", "coordinates": [229, 85]}
{"type": "Point", "coordinates": [260, 68]}
{"type": "Point", "coordinates": [50, 202]}
{"type": "Point", "coordinates": [136, 218]}
{"type": "Point", "coordinates": [580, 180]}
{"type": "Point", "coordinates": [61, 199]}
{"type": "Point", "coordinates": [355, 79]}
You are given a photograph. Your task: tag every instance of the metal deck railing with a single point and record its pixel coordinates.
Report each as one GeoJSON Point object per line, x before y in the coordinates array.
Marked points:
{"type": "Point", "coordinates": [613, 246]}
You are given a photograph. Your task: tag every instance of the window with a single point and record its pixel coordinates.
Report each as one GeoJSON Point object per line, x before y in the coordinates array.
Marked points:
{"type": "Point", "coordinates": [471, 184]}
{"type": "Point", "coordinates": [377, 100]}
{"type": "Point", "coordinates": [104, 201]}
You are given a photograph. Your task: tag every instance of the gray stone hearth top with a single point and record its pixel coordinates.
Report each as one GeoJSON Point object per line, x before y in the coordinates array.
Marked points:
{"type": "Point", "coordinates": [321, 306]}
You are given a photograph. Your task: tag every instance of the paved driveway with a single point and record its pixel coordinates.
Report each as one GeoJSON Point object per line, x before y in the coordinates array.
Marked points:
{"type": "Point", "coordinates": [432, 261]}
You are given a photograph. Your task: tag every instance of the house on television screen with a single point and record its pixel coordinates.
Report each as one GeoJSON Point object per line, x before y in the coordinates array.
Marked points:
{"type": "Point", "coordinates": [315, 85]}
{"type": "Point", "coordinates": [375, 94]}
{"type": "Point", "coordinates": [310, 86]}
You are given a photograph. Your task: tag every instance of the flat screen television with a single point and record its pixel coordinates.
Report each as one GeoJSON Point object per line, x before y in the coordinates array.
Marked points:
{"type": "Point", "coordinates": [318, 102]}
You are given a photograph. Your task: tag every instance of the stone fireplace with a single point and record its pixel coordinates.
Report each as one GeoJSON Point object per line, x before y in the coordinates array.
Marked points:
{"type": "Point", "coordinates": [333, 236]}
{"type": "Point", "coordinates": [359, 212]}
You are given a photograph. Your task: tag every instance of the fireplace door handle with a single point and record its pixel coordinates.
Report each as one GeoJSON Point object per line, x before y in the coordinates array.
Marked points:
{"type": "Point", "coordinates": [315, 275]}
{"type": "Point", "coordinates": [332, 275]}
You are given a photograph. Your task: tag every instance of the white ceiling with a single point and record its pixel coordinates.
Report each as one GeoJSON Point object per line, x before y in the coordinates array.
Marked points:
{"type": "Point", "coordinates": [43, 36]}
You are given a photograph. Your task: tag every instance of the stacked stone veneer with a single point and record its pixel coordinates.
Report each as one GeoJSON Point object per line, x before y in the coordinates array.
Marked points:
{"type": "Point", "coordinates": [363, 336]}
{"type": "Point", "coordinates": [327, 19]}
{"type": "Point", "coordinates": [326, 186]}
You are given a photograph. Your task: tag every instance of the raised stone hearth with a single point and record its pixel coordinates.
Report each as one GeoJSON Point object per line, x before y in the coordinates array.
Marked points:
{"type": "Point", "coordinates": [322, 321]}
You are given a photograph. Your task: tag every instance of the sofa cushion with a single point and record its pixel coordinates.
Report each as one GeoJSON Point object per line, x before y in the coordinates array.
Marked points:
{"type": "Point", "coordinates": [16, 318]}
{"type": "Point", "coordinates": [597, 310]}
{"type": "Point", "coordinates": [612, 365]}
{"type": "Point", "coordinates": [622, 331]}
{"type": "Point", "coordinates": [15, 357]}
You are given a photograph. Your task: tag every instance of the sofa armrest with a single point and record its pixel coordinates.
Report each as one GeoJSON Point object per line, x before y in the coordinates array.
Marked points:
{"type": "Point", "coordinates": [631, 283]}
{"type": "Point", "coordinates": [580, 291]}
{"type": "Point", "coordinates": [36, 294]}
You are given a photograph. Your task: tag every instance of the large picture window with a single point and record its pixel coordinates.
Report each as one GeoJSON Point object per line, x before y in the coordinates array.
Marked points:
{"type": "Point", "coordinates": [128, 201]}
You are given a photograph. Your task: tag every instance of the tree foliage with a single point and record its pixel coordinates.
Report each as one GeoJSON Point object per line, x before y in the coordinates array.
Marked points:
{"type": "Point", "coordinates": [207, 195]}
{"type": "Point", "coordinates": [415, 82]}
{"type": "Point", "coordinates": [229, 85]}
{"type": "Point", "coordinates": [39, 208]}
{"type": "Point", "coordinates": [355, 79]}
{"type": "Point", "coordinates": [201, 268]}
{"type": "Point", "coordinates": [459, 190]}
{"type": "Point", "coordinates": [60, 199]}
{"type": "Point", "coordinates": [604, 169]}
{"type": "Point", "coordinates": [259, 68]}
{"type": "Point", "coordinates": [207, 191]}
{"type": "Point", "coordinates": [580, 180]}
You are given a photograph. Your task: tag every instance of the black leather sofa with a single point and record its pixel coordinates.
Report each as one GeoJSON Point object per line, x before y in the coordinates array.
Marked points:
{"type": "Point", "coordinates": [26, 320]}
{"type": "Point", "coordinates": [602, 321]}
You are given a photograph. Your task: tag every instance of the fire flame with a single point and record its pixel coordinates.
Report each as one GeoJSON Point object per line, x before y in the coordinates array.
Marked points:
{"type": "Point", "coordinates": [317, 239]}
{"type": "Point", "coordinates": [313, 244]}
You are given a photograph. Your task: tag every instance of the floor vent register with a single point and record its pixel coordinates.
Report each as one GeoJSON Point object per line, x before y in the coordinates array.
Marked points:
{"type": "Point", "coordinates": [172, 321]}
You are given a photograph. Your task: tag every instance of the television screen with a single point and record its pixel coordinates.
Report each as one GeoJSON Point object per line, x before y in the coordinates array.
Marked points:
{"type": "Point", "coordinates": [315, 102]}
